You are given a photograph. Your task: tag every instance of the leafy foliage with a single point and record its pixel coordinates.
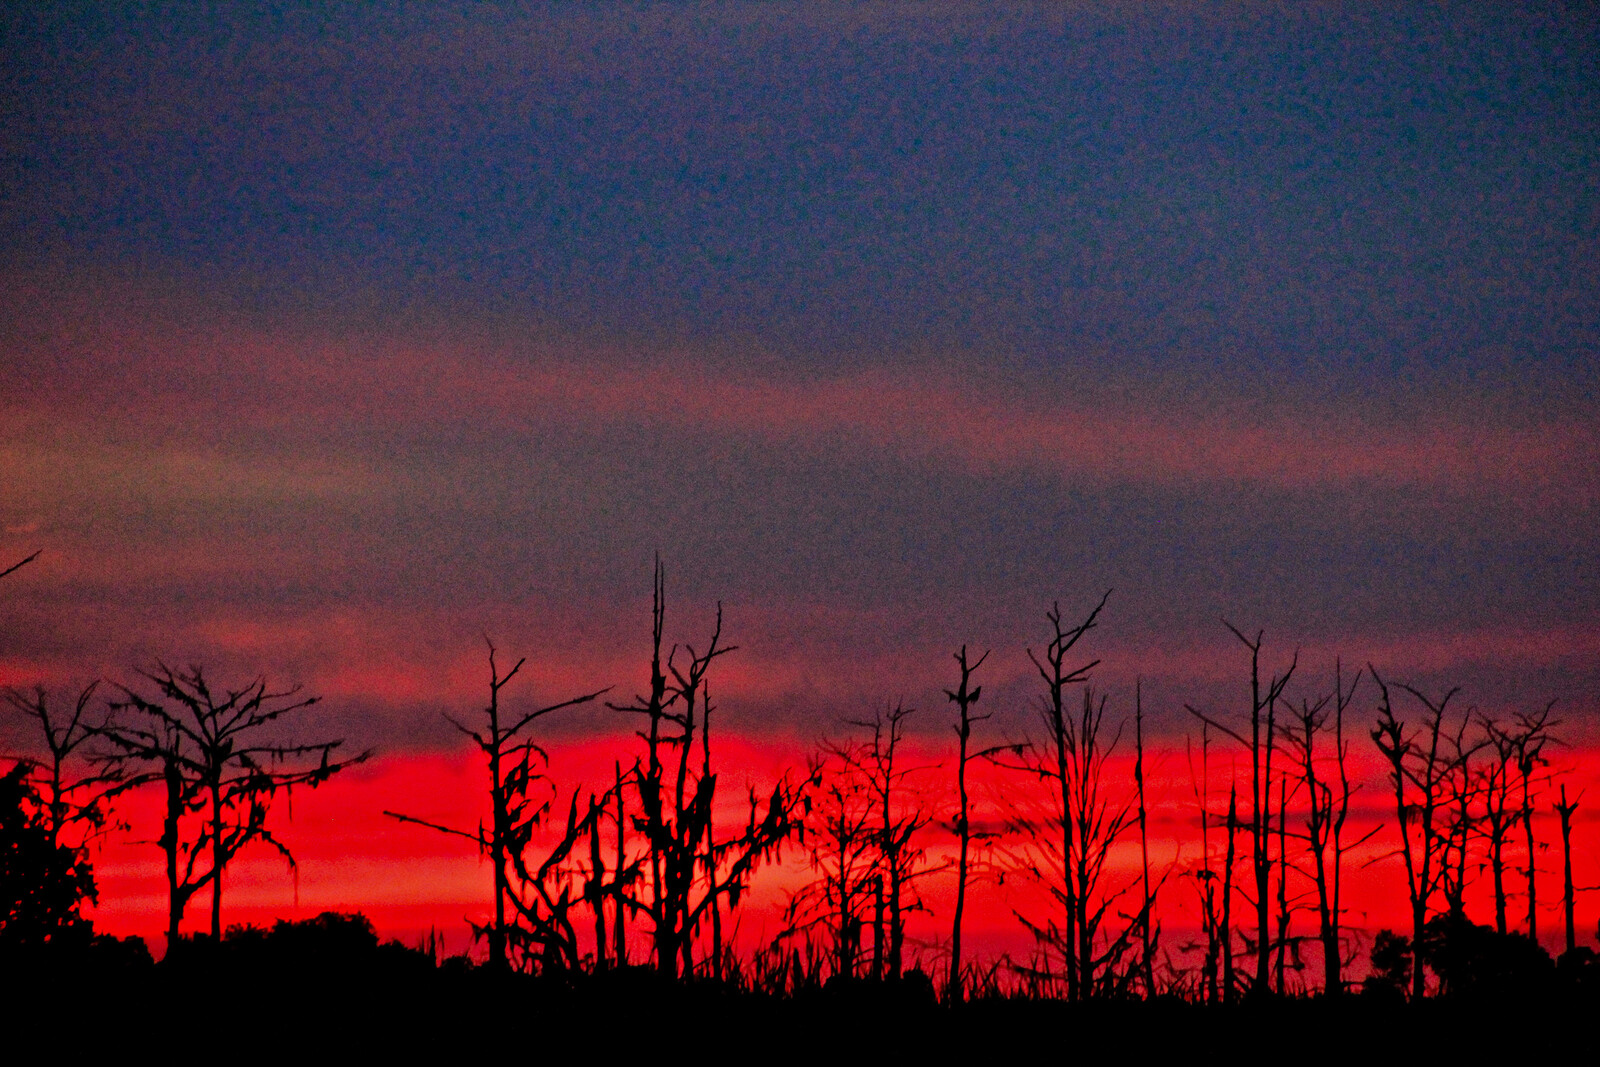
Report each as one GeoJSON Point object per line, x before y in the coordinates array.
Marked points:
{"type": "Point", "coordinates": [42, 884]}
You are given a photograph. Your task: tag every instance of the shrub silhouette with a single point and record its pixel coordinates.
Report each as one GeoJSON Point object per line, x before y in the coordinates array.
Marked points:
{"type": "Point", "coordinates": [1478, 962]}
{"type": "Point", "coordinates": [42, 884]}
{"type": "Point", "coordinates": [1391, 967]}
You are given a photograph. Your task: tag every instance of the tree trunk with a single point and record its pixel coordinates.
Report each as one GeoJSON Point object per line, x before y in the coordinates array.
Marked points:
{"type": "Point", "coordinates": [1283, 884]}
{"type": "Point", "coordinates": [619, 948]}
{"type": "Point", "coordinates": [169, 845]}
{"type": "Point", "coordinates": [499, 820]}
{"type": "Point", "coordinates": [217, 862]}
{"type": "Point", "coordinates": [1566, 811]}
{"type": "Point", "coordinates": [1226, 933]}
{"type": "Point", "coordinates": [597, 866]}
{"type": "Point", "coordinates": [1497, 863]}
{"type": "Point", "coordinates": [1533, 880]}
{"type": "Point", "coordinates": [1145, 966]}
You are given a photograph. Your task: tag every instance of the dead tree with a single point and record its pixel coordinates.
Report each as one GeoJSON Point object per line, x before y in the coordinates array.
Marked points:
{"type": "Point", "coordinates": [1499, 810]}
{"type": "Point", "coordinates": [207, 747]}
{"type": "Point", "coordinates": [1531, 734]}
{"type": "Point", "coordinates": [1464, 788]}
{"type": "Point", "coordinates": [676, 803]}
{"type": "Point", "coordinates": [1146, 935]}
{"type": "Point", "coordinates": [1260, 746]}
{"type": "Point", "coordinates": [619, 921]}
{"type": "Point", "coordinates": [965, 697]}
{"type": "Point", "coordinates": [899, 861]}
{"type": "Point", "coordinates": [1327, 809]}
{"type": "Point", "coordinates": [1205, 877]}
{"type": "Point", "coordinates": [1564, 810]}
{"type": "Point", "coordinates": [594, 885]}
{"type": "Point", "coordinates": [531, 917]}
{"type": "Point", "coordinates": [1420, 764]}
{"type": "Point", "coordinates": [1052, 763]}
{"type": "Point", "coordinates": [1218, 981]}
{"type": "Point", "coordinates": [598, 891]}
{"type": "Point", "coordinates": [1230, 982]}
{"type": "Point", "coordinates": [844, 854]}
{"type": "Point", "coordinates": [709, 860]}
{"type": "Point", "coordinates": [1281, 942]}
{"type": "Point", "coordinates": [1068, 841]}
{"type": "Point", "coordinates": [73, 783]}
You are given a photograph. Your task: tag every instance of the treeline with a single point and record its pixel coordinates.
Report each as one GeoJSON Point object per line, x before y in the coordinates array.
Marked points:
{"type": "Point", "coordinates": [656, 857]}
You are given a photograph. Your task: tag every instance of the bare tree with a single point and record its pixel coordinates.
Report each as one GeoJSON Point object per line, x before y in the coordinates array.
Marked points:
{"type": "Point", "coordinates": [1421, 768]}
{"type": "Point", "coordinates": [1531, 734]}
{"type": "Point", "coordinates": [676, 804]}
{"type": "Point", "coordinates": [965, 697]}
{"type": "Point", "coordinates": [1230, 981]}
{"type": "Point", "coordinates": [899, 861]}
{"type": "Point", "coordinates": [531, 916]}
{"type": "Point", "coordinates": [208, 747]}
{"type": "Point", "coordinates": [1281, 942]}
{"type": "Point", "coordinates": [73, 783]}
{"type": "Point", "coordinates": [597, 890]}
{"type": "Point", "coordinates": [1068, 842]}
{"type": "Point", "coordinates": [1564, 810]}
{"type": "Point", "coordinates": [1054, 763]}
{"type": "Point", "coordinates": [1327, 809]}
{"type": "Point", "coordinates": [594, 886]}
{"type": "Point", "coordinates": [1205, 878]}
{"type": "Point", "coordinates": [1146, 935]}
{"type": "Point", "coordinates": [843, 853]}
{"type": "Point", "coordinates": [1499, 811]}
{"type": "Point", "coordinates": [619, 921]}
{"type": "Point", "coordinates": [1260, 746]}
{"type": "Point", "coordinates": [1463, 790]}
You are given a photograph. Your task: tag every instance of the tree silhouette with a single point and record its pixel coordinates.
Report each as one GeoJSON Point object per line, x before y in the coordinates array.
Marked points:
{"type": "Point", "coordinates": [1530, 736]}
{"type": "Point", "coordinates": [210, 749]}
{"type": "Point", "coordinates": [896, 823]}
{"type": "Point", "coordinates": [1465, 787]}
{"type": "Point", "coordinates": [964, 696]}
{"type": "Point", "coordinates": [42, 883]}
{"type": "Point", "coordinates": [676, 803]}
{"type": "Point", "coordinates": [531, 917]}
{"type": "Point", "coordinates": [1212, 925]}
{"type": "Point", "coordinates": [1392, 959]}
{"type": "Point", "coordinates": [844, 855]}
{"type": "Point", "coordinates": [597, 890]}
{"type": "Point", "coordinates": [1421, 770]}
{"type": "Point", "coordinates": [1510, 786]}
{"type": "Point", "coordinates": [1148, 932]}
{"type": "Point", "coordinates": [1499, 810]}
{"type": "Point", "coordinates": [73, 800]}
{"type": "Point", "coordinates": [1260, 746]}
{"type": "Point", "coordinates": [1230, 980]}
{"type": "Point", "coordinates": [1067, 843]}
{"type": "Point", "coordinates": [1565, 809]}
{"type": "Point", "coordinates": [1327, 811]}
{"type": "Point", "coordinates": [1475, 962]}
{"type": "Point", "coordinates": [863, 847]}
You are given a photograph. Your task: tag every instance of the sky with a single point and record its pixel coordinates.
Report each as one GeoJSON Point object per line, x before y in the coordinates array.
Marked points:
{"type": "Point", "coordinates": [336, 340]}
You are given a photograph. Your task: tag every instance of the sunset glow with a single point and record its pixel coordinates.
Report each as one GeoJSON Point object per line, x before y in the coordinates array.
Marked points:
{"type": "Point", "coordinates": [336, 345]}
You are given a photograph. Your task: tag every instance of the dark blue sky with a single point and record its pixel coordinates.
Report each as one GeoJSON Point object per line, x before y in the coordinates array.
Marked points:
{"type": "Point", "coordinates": [1342, 190]}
